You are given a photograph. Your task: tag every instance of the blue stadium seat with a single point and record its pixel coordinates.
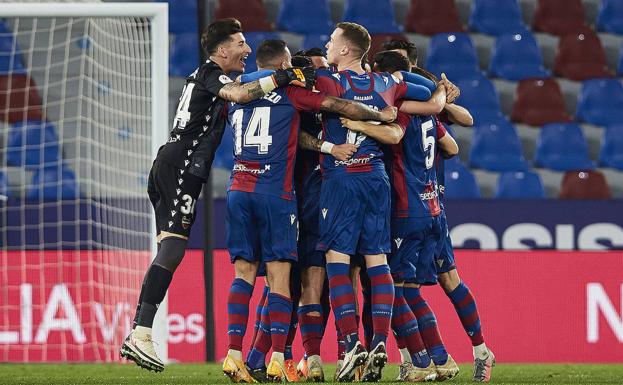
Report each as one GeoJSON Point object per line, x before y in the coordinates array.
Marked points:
{"type": "Point", "coordinates": [31, 144]}
{"type": "Point", "coordinates": [517, 57]}
{"type": "Point", "coordinates": [254, 39]}
{"type": "Point", "coordinates": [496, 17]}
{"type": "Point", "coordinates": [610, 17]}
{"type": "Point", "coordinates": [479, 96]}
{"type": "Point", "coordinates": [182, 16]}
{"type": "Point", "coordinates": [305, 17]}
{"type": "Point", "coordinates": [620, 66]}
{"type": "Point", "coordinates": [224, 156]}
{"type": "Point", "coordinates": [612, 147]}
{"type": "Point", "coordinates": [377, 16]}
{"type": "Point", "coordinates": [520, 185]}
{"type": "Point", "coordinates": [184, 54]}
{"type": "Point", "coordinates": [315, 40]}
{"type": "Point", "coordinates": [52, 183]}
{"type": "Point", "coordinates": [454, 54]}
{"type": "Point", "coordinates": [460, 183]}
{"type": "Point", "coordinates": [4, 186]}
{"type": "Point", "coordinates": [562, 147]}
{"type": "Point", "coordinates": [600, 102]}
{"type": "Point", "coordinates": [496, 147]}
{"type": "Point", "coordinates": [10, 54]}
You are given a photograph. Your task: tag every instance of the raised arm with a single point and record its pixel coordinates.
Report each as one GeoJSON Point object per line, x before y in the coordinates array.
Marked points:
{"type": "Point", "coordinates": [459, 115]}
{"type": "Point", "coordinates": [431, 107]}
{"type": "Point", "coordinates": [387, 133]}
{"type": "Point", "coordinates": [341, 152]}
{"type": "Point", "coordinates": [358, 111]}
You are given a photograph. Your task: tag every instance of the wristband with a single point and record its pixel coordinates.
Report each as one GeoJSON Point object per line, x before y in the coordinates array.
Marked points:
{"type": "Point", "coordinates": [326, 147]}
{"type": "Point", "coordinates": [268, 84]}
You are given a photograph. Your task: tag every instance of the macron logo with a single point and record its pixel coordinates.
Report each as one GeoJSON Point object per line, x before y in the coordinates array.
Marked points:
{"type": "Point", "coordinates": [398, 242]}
{"type": "Point", "coordinates": [324, 213]}
{"type": "Point", "coordinates": [440, 262]}
{"type": "Point", "coordinates": [292, 218]}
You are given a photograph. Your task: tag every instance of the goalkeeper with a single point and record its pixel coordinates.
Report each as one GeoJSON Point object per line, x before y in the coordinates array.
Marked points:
{"type": "Point", "coordinates": [183, 163]}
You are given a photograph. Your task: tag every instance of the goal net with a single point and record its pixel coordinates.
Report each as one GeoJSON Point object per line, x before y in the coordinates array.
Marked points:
{"type": "Point", "coordinates": [83, 108]}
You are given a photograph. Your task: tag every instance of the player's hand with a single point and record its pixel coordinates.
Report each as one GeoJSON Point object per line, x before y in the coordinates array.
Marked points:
{"type": "Point", "coordinates": [350, 124]}
{"type": "Point", "coordinates": [388, 114]}
{"type": "Point", "coordinates": [302, 77]}
{"type": "Point", "coordinates": [452, 91]}
{"type": "Point", "coordinates": [343, 152]}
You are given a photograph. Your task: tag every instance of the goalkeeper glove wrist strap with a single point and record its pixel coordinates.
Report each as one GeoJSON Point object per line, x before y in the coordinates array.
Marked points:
{"type": "Point", "coordinates": [326, 147]}
{"type": "Point", "coordinates": [268, 84]}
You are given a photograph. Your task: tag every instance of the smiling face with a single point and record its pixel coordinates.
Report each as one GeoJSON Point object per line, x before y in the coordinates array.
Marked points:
{"type": "Point", "coordinates": [234, 52]}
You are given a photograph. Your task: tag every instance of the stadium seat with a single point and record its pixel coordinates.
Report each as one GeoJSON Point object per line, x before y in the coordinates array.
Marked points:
{"type": "Point", "coordinates": [433, 17]}
{"type": "Point", "coordinates": [610, 17]}
{"type": "Point", "coordinates": [224, 156]}
{"type": "Point", "coordinates": [496, 17]}
{"type": "Point", "coordinates": [479, 96]}
{"type": "Point", "coordinates": [454, 54]}
{"type": "Point", "coordinates": [184, 55]}
{"type": "Point", "coordinates": [10, 54]}
{"type": "Point", "coordinates": [19, 99]}
{"type": "Point", "coordinates": [315, 40]}
{"type": "Point", "coordinates": [4, 186]}
{"type": "Point", "coordinates": [379, 39]}
{"type": "Point", "coordinates": [559, 17]}
{"type": "Point", "coordinates": [580, 57]}
{"type": "Point", "coordinates": [516, 57]}
{"type": "Point", "coordinates": [600, 102]}
{"type": "Point", "coordinates": [460, 183]}
{"type": "Point", "coordinates": [562, 147]}
{"type": "Point", "coordinates": [496, 147]}
{"type": "Point", "coordinates": [589, 184]}
{"type": "Point", "coordinates": [611, 154]}
{"type": "Point", "coordinates": [538, 102]}
{"type": "Point", "coordinates": [50, 183]}
{"type": "Point", "coordinates": [520, 185]}
{"type": "Point", "coordinates": [620, 66]}
{"type": "Point", "coordinates": [182, 16]}
{"type": "Point", "coordinates": [305, 17]}
{"type": "Point", "coordinates": [251, 13]}
{"type": "Point", "coordinates": [254, 39]}
{"type": "Point", "coordinates": [377, 16]}
{"type": "Point", "coordinates": [31, 144]}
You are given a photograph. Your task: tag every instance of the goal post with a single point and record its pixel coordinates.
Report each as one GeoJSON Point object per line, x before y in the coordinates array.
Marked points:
{"type": "Point", "coordinates": [83, 111]}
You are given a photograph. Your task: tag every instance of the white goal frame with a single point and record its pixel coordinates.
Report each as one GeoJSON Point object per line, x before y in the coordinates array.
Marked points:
{"type": "Point", "coordinates": [158, 13]}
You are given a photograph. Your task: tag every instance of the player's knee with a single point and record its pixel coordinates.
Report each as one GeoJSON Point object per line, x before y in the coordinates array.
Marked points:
{"type": "Point", "coordinates": [278, 275]}
{"type": "Point", "coordinates": [449, 280]}
{"type": "Point", "coordinates": [376, 260]}
{"type": "Point", "coordinates": [337, 257]}
{"type": "Point", "coordinates": [246, 270]}
{"type": "Point", "coordinates": [170, 253]}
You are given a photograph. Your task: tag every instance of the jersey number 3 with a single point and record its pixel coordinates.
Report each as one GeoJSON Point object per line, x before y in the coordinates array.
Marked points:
{"type": "Point", "coordinates": [255, 133]}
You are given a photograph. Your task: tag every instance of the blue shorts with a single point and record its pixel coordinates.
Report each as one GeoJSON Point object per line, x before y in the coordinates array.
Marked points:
{"type": "Point", "coordinates": [444, 255]}
{"type": "Point", "coordinates": [309, 230]}
{"type": "Point", "coordinates": [354, 214]}
{"type": "Point", "coordinates": [415, 241]}
{"type": "Point", "coordinates": [261, 227]}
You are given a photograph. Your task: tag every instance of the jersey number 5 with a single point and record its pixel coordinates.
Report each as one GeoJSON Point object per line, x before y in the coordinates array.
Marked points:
{"type": "Point", "coordinates": [428, 143]}
{"type": "Point", "coordinates": [256, 133]}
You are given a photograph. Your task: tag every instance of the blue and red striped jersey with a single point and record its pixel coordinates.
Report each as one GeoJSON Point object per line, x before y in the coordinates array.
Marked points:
{"type": "Point", "coordinates": [377, 90]}
{"type": "Point", "coordinates": [412, 169]}
{"type": "Point", "coordinates": [307, 171]}
{"type": "Point", "coordinates": [266, 138]}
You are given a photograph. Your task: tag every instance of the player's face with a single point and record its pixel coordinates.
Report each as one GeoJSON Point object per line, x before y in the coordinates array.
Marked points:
{"type": "Point", "coordinates": [335, 46]}
{"type": "Point", "coordinates": [235, 52]}
{"type": "Point", "coordinates": [287, 60]}
{"type": "Point", "coordinates": [319, 62]}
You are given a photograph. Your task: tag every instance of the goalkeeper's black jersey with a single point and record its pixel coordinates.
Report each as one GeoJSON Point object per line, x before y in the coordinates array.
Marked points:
{"type": "Point", "coordinates": [198, 123]}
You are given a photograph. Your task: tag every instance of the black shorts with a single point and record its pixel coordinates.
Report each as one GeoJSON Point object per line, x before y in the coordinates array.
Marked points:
{"type": "Point", "coordinates": [173, 193]}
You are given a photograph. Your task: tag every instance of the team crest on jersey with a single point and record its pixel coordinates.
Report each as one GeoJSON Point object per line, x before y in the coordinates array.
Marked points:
{"type": "Point", "coordinates": [324, 213]}
{"type": "Point", "coordinates": [225, 79]}
{"type": "Point", "coordinates": [398, 242]}
{"type": "Point", "coordinates": [440, 262]}
{"type": "Point", "coordinates": [185, 222]}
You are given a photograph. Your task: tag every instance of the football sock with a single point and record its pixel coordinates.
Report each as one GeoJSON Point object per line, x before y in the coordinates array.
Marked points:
{"type": "Point", "coordinates": [405, 327]}
{"type": "Point", "coordinates": [280, 313]}
{"type": "Point", "coordinates": [257, 355]}
{"type": "Point", "coordinates": [238, 312]}
{"type": "Point", "coordinates": [465, 306]}
{"type": "Point", "coordinates": [427, 324]}
{"type": "Point", "coordinates": [326, 305]}
{"type": "Point", "coordinates": [481, 351]}
{"type": "Point", "coordinates": [343, 302]}
{"type": "Point", "coordinates": [157, 282]}
{"type": "Point", "coordinates": [295, 292]}
{"type": "Point", "coordinates": [382, 289]}
{"type": "Point", "coordinates": [310, 320]}
{"type": "Point", "coordinates": [258, 314]}
{"type": "Point", "coordinates": [341, 344]}
{"type": "Point", "coordinates": [141, 295]}
{"type": "Point", "coordinates": [366, 311]}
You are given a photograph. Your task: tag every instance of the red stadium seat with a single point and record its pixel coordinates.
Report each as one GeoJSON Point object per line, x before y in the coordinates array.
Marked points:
{"type": "Point", "coordinates": [19, 99]}
{"type": "Point", "coordinates": [539, 102]}
{"type": "Point", "coordinates": [559, 17]}
{"type": "Point", "coordinates": [432, 17]}
{"type": "Point", "coordinates": [379, 39]}
{"type": "Point", "coordinates": [584, 185]}
{"type": "Point", "coordinates": [251, 14]}
{"type": "Point", "coordinates": [580, 57]}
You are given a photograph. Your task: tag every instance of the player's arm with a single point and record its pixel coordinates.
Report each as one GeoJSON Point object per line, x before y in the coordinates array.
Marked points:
{"type": "Point", "coordinates": [446, 142]}
{"type": "Point", "coordinates": [433, 106]}
{"type": "Point", "coordinates": [386, 133]}
{"type": "Point", "coordinates": [459, 115]}
{"type": "Point", "coordinates": [357, 111]}
{"type": "Point", "coordinates": [341, 152]}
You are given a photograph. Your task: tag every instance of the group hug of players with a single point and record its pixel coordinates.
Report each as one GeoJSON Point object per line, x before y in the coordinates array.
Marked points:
{"type": "Point", "coordinates": [337, 181]}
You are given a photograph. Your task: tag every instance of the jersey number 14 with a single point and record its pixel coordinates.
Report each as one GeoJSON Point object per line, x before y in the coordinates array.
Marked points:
{"type": "Point", "coordinates": [255, 133]}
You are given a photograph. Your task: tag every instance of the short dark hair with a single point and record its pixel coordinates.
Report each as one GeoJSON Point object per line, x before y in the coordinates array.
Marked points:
{"type": "Point", "coordinates": [401, 44]}
{"type": "Point", "coordinates": [301, 61]}
{"type": "Point", "coordinates": [315, 51]}
{"type": "Point", "coordinates": [391, 61]}
{"type": "Point", "coordinates": [219, 32]}
{"type": "Point", "coordinates": [269, 50]}
{"type": "Point", "coordinates": [357, 35]}
{"type": "Point", "coordinates": [425, 73]}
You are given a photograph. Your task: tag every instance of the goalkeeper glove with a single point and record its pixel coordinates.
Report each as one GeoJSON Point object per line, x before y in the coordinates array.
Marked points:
{"type": "Point", "coordinates": [302, 77]}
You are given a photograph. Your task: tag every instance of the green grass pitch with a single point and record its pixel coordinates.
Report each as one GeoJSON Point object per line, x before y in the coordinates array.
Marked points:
{"type": "Point", "coordinates": [83, 374]}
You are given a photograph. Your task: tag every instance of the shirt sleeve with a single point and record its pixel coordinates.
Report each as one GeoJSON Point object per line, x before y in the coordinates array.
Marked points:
{"type": "Point", "coordinates": [305, 100]}
{"type": "Point", "coordinates": [214, 79]}
{"type": "Point", "coordinates": [326, 84]}
{"type": "Point", "coordinates": [441, 130]}
{"type": "Point", "coordinates": [403, 120]}
{"type": "Point", "coordinates": [400, 92]}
